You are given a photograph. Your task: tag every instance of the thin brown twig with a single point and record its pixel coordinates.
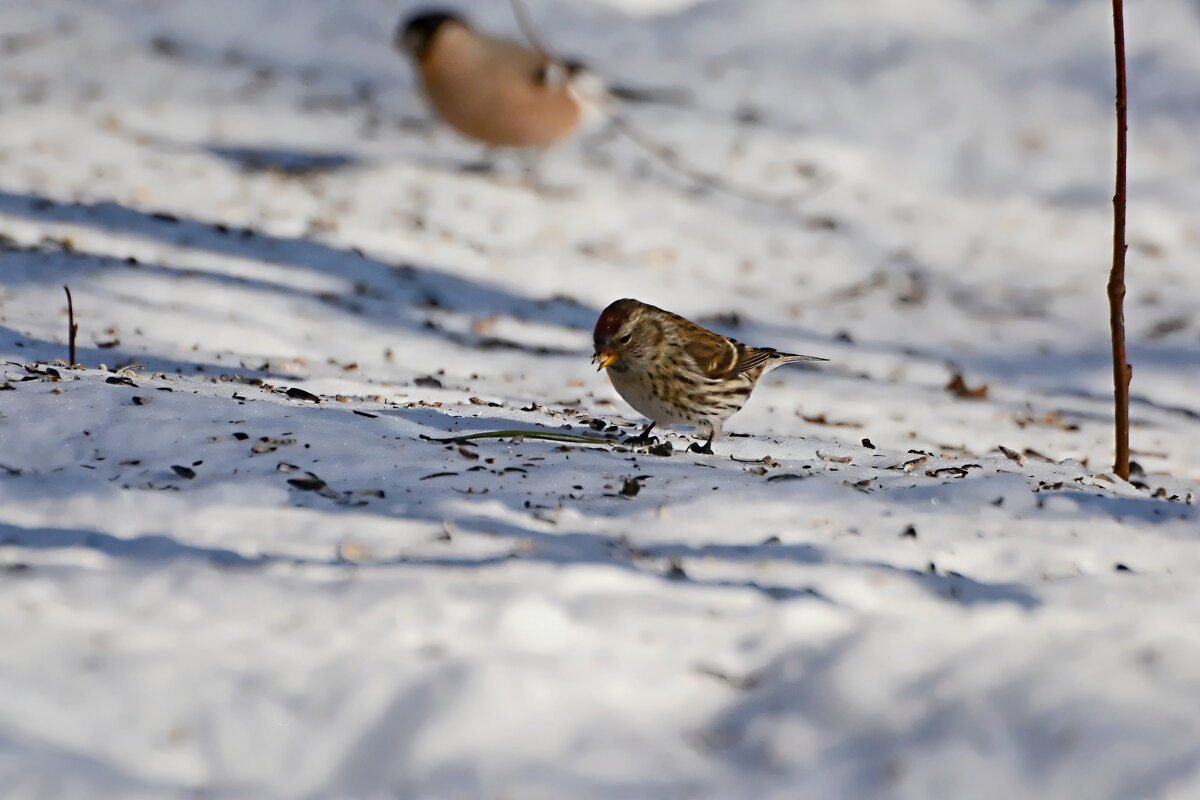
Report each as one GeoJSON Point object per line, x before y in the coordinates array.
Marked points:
{"type": "Point", "coordinates": [1116, 279]}
{"type": "Point", "coordinates": [671, 159]}
{"type": "Point", "coordinates": [661, 152]}
{"type": "Point", "coordinates": [550, 436]}
{"type": "Point", "coordinates": [529, 29]}
{"type": "Point", "coordinates": [72, 328]}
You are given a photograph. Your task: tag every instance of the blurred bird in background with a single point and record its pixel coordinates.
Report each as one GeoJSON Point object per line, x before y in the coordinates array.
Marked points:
{"type": "Point", "coordinates": [504, 93]}
{"type": "Point", "coordinates": [496, 91]}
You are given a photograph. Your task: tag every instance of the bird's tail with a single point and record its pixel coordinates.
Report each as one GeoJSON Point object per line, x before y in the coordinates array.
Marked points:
{"type": "Point", "coordinates": [666, 96]}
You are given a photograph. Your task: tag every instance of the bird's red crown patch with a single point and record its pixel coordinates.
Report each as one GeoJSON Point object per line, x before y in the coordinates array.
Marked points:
{"type": "Point", "coordinates": [612, 318]}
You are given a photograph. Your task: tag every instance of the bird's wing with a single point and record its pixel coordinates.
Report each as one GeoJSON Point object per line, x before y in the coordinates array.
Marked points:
{"type": "Point", "coordinates": [713, 356]}
{"type": "Point", "coordinates": [751, 358]}
{"type": "Point", "coordinates": [719, 357]}
{"type": "Point", "coordinates": [758, 358]}
{"type": "Point", "coordinates": [506, 55]}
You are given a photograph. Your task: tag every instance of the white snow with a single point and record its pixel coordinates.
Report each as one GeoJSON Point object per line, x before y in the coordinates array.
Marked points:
{"type": "Point", "coordinates": [247, 197]}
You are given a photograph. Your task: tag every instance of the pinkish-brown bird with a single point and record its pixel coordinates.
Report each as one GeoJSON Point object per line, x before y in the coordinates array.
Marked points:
{"type": "Point", "coordinates": [496, 91]}
{"type": "Point", "coordinates": [676, 372]}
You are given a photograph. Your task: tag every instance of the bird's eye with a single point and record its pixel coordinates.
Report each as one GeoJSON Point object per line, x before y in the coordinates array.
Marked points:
{"type": "Point", "coordinates": [624, 339]}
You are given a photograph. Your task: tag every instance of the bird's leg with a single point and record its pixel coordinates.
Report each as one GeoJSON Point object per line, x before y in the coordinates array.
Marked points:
{"type": "Point", "coordinates": [642, 438]}
{"type": "Point", "coordinates": [706, 449]}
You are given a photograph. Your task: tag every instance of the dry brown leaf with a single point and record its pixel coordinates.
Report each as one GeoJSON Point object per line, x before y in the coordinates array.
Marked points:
{"type": "Point", "coordinates": [958, 387]}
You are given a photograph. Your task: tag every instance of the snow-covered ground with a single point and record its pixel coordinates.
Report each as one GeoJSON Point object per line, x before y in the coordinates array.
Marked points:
{"type": "Point", "coordinates": [212, 588]}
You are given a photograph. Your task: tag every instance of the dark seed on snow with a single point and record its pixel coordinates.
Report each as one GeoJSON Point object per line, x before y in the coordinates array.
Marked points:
{"type": "Point", "coordinates": [909, 533]}
{"type": "Point", "coordinates": [241, 437]}
{"type": "Point", "coordinates": [675, 571]}
{"type": "Point", "coordinates": [300, 394]}
{"type": "Point", "coordinates": [184, 472]}
{"type": "Point", "coordinates": [662, 449]}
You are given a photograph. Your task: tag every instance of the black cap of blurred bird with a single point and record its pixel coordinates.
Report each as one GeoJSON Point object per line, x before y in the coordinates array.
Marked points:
{"type": "Point", "coordinates": [497, 91]}
{"type": "Point", "coordinates": [415, 34]}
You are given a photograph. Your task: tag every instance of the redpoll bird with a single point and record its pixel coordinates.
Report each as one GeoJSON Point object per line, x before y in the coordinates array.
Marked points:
{"type": "Point", "coordinates": [676, 372]}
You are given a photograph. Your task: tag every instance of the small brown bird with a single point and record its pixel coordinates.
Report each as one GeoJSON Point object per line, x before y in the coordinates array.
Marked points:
{"type": "Point", "coordinates": [496, 91]}
{"type": "Point", "coordinates": [676, 372]}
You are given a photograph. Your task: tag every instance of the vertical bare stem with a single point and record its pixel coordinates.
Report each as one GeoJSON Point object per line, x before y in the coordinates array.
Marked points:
{"type": "Point", "coordinates": [72, 328]}
{"type": "Point", "coordinates": [1116, 278]}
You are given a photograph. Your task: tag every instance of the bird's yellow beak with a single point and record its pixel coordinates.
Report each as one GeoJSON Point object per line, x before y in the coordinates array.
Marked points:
{"type": "Point", "coordinates": [604, 359]}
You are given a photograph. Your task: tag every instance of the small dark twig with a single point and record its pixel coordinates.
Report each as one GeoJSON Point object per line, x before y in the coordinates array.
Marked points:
{"type": "Point", "coordinates": [1116, 279]}
{"type": "Point", "coordinates": [72, 328]}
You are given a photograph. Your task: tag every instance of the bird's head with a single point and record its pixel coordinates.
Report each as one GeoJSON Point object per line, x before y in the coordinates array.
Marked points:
{"type": "Point", "coordinates": [625, 335]}
{"type": "Point", "coordinates": [416, 34]}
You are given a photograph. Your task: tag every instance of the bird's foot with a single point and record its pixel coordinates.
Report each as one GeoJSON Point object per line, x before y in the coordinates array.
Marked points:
{"type": "Point", "coordinates": [703, 449]}
{"type": "Point", "coordinates": [641, 440]}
